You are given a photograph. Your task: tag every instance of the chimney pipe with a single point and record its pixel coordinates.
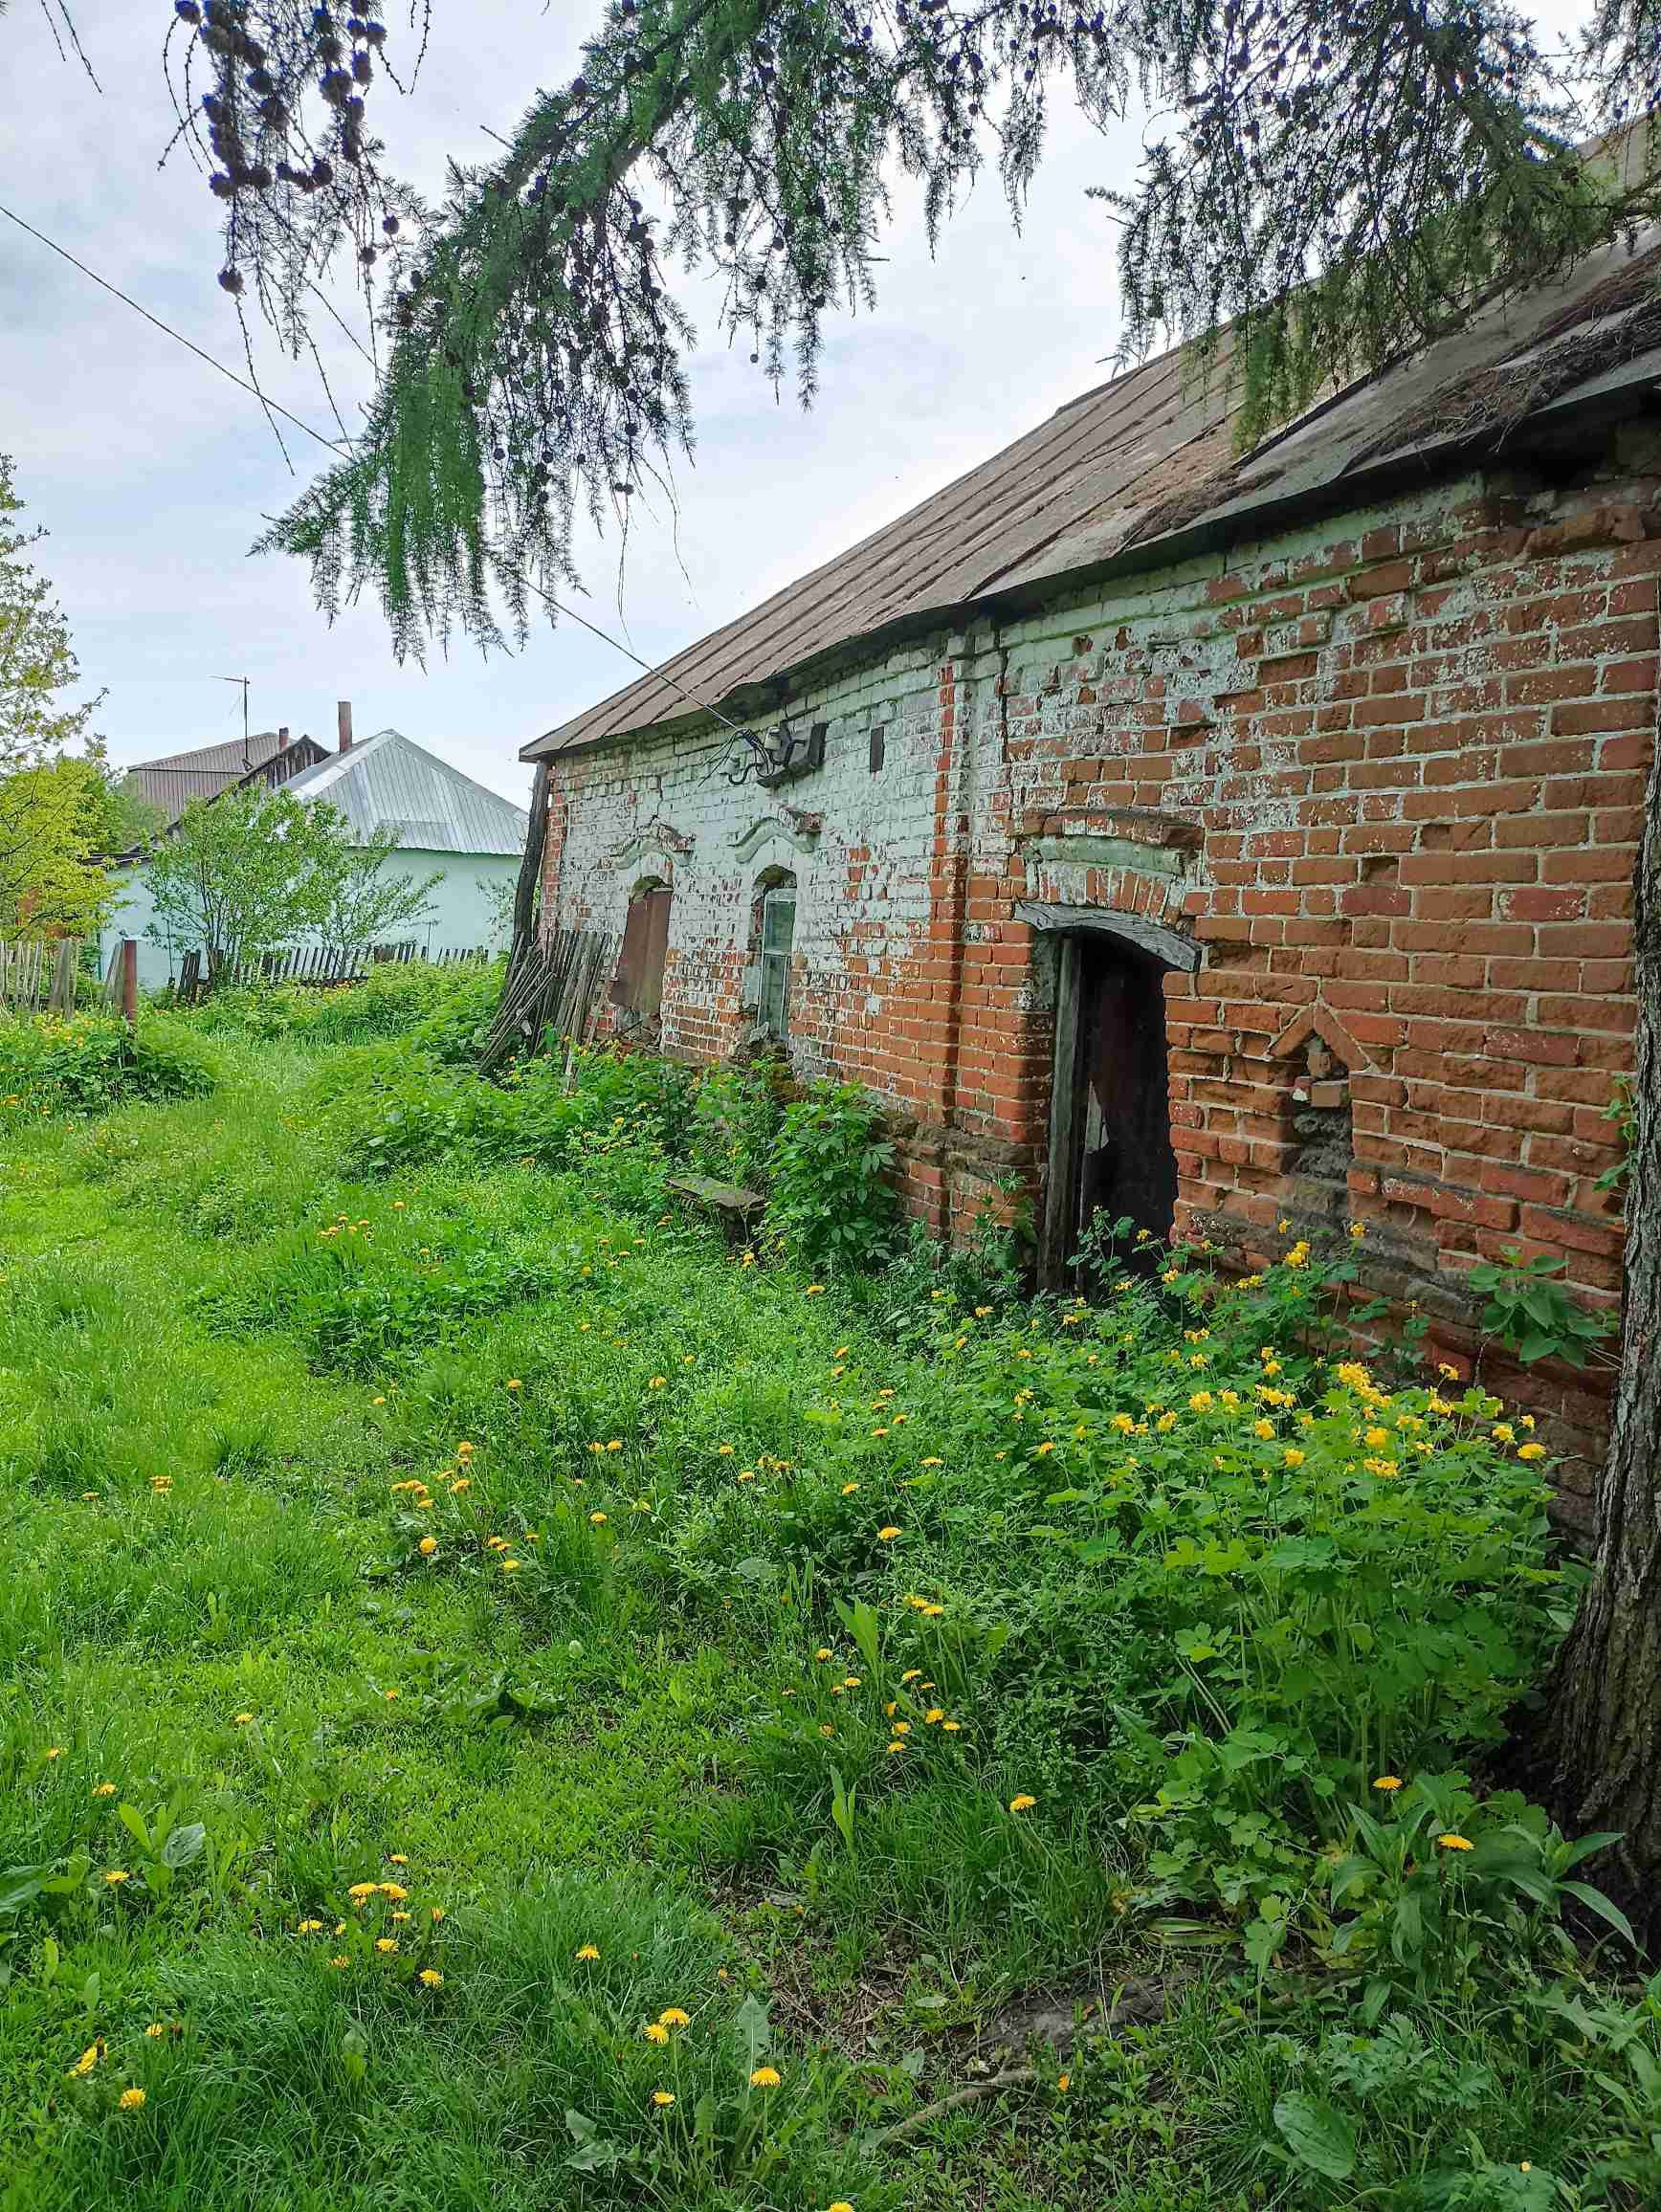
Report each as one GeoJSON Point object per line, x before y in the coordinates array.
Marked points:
{"type": "Point", "coordinates": [344, 714]}
{"type": "Point", "coordinates": [282, 739]}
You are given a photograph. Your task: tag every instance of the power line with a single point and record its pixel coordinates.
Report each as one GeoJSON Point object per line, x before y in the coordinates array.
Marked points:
{"type": "Point", "coordinates": [168, 331]}
{"type": "Point", "coordinates": [330, 446]}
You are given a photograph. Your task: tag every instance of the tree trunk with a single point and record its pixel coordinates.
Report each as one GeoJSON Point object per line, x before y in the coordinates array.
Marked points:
{"type": "Point", "coordinates": [1603, 1732]}
{"type": "Point", "coordinates": [525, 897]}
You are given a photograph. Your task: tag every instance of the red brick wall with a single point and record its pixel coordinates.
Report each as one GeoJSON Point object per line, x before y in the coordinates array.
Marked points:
{"type": "Point", "coordinates": [1386, 773]}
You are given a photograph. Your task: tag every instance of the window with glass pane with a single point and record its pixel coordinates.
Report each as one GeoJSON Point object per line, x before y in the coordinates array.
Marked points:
{"type": "Point", "coordinates": [778, 933]}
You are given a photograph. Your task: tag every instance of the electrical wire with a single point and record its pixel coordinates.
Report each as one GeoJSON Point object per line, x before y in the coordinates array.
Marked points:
{"type": "Point", "coordinates": [330, 445]}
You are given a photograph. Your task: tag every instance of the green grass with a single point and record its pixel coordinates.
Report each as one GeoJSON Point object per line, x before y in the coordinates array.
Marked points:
{"type": "Point", "coordinates": [218, 1359]}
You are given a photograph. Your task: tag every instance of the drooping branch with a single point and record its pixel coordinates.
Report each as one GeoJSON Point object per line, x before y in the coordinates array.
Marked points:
{"type": "Point", "coordinates": [1340, 179]}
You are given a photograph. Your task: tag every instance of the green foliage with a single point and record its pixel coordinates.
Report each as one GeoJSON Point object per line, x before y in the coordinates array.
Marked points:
{"type": "Point", "coordinates": [90, 1063]}
{"type": "Point", "coordinates": [831, 1206]}
{"type": "Point", "coordinates": [239, 875]}
{"type": "Point", "coordinates": [359, 899]}
{"type": "Point", "coordinates": [1622, 1111]}
{"type": "Point", "coordinates": [1534, 1316]}
{"type": "Point", "coordinates": [491, 1533]}
{"type": "Point", "coordinates": [36, 659]}
{"type": "Point", "coordinates": [51, 820]}
{"type": "Point", "coordinates": [1333, 189]}
{"type": "Point", "coordinates": [736, 1116]}
{"type": "Point", "coordinates": [443, 1010]}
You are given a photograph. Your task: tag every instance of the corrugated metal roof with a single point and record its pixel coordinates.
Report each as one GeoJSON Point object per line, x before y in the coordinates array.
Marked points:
{"type": "Point", "coordinates": [227, 758]}
{"type": "Point", "coordinates": [387, 780]}
{"type": "Point", "coordinates": [1138, 472]}
{"type": "Point", "coordinates": [174, 780]}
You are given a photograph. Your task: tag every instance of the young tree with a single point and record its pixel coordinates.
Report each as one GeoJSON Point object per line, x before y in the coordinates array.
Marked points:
{"type": "Point", "coordinates": [51, 884]}
{"type": "Point", "coordinates": [36, 659]}
{"type": "Point", "coordinates": [238, 876]}
{"type": "Point", "coordinates": [359, 902]}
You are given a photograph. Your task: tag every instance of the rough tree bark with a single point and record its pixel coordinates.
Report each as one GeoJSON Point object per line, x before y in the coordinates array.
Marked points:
{"type": "Point", "coordinates": [1604, 1731]}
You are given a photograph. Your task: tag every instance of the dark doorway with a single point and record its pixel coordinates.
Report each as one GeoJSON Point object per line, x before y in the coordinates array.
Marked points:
{"type": "Point", "coordinates": [1109, 1138]}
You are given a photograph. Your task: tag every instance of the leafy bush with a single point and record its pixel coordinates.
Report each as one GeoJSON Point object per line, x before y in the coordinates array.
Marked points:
{"type": "Point", "coordinates": [445, 1011]}
{"type": "Point", "coordinates": [93, 1062]}
{"type": "Point", "coordinates": [736, 1114]}
{"type": "Point", "coordinates": [831, 1206]}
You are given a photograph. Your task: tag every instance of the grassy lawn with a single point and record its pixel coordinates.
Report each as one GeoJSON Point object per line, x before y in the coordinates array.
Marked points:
{"type": "Point", "coordinates": [507, 1703]}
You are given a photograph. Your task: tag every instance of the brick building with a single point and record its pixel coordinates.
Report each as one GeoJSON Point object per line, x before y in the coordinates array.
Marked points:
{"type": "Point", "coordinates": [1223, 841]}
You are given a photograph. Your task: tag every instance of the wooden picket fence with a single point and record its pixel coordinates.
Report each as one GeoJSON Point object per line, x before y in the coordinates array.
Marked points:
{"type": "Point", "coordinates": [315, 966]}
{"type": "Point", "coordinates": [37, 974]}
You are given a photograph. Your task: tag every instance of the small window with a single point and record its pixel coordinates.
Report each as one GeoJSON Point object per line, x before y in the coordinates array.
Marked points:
{"type": "Point", "coordinates": [778, 935]}
{"type": "Point", "coordinates": [637, 986]}
{"type": "Point", "coordinates": [878, 747]}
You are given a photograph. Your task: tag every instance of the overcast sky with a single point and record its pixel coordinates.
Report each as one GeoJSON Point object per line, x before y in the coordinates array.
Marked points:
{"type": "Point", "coordinates": [152, 473]}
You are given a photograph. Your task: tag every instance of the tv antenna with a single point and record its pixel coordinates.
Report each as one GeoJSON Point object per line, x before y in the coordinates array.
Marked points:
{"type": "Point", "coordinates": [246, 763]}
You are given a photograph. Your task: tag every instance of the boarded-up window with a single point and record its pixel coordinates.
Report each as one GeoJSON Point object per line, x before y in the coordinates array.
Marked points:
{"type": "Point", "coordinates": [778, 935]}
{"type": "Point", "coordinates": [637, 986]}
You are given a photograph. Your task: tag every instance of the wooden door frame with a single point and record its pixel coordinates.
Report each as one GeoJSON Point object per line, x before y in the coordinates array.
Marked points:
{"type": "Point", "coordinates": [1071, 924]}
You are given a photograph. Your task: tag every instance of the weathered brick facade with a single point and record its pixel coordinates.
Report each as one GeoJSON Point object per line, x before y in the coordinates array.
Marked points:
{"type": "Point", "coordinates": [1384, 774]}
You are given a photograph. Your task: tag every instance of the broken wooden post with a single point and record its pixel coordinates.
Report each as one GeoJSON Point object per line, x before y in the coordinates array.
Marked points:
{"type": "Point", "coordinates": [129, 958]}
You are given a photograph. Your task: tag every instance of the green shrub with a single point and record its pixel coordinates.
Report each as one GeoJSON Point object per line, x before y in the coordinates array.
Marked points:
{"type": "Point", "coordinates": [831, 1206]}
{"type": "Point", "coordinates": [93, 1062]}
{"type": "Point", "coordinates": [736, 1116]}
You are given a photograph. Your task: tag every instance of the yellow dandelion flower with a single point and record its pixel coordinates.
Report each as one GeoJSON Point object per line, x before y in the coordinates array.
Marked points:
{"type": "Point", "coordinates": [510, 1566]}
{"type": "Point", "coordinates": [116, 1875]}
{"type": "Point", "coordinates": [823, 1652]}
{"type": "Point", "coordinates": [1022, 1803]}
{"type": "Point", "coordinates": [1200, 1402]}
{"type": "Point", "coordinates": [663, 2099]}
{"type": "Point", "coordinates": [103, 1789]}
{"type": "Point", "coordinates": [1453, 1843]}
{"type": "Point", "coordinates": [513, 1382]}
{"type": "Point", "coordinates": [427, 1546]}
{"type": "Point", "coordinates": [242, 1719]}
{"type": "Point", "coordinates": [1064, 2082]}
{"type": "Point", "coordinates": [815, 1291]}
{"type": "Point", "coordinates": [1293, 1456]}
{"type": "Point", "coordinates": [130, 2100]}
{"type": "Point", "coordinates": [597, 1519]}
{"type": "Point", "coordinates": [886, 1535]}
{"type": "Point", "coordinates": [339, 1960]}
{"type": "Point", "coordinates": [933, 1716]}
{"type": "Point", "coordinates": [386, 1945]}
{"type": "Point", "coordinates": [310, 1928]}
{"type": "Point", "coordinates": [952, 1727]}
{"type": "Point", "coordinates": [359, 1891]}
{"type": "Point", "coordinates": [899, 1744]}
{"type": "Point", "coordinates": [1388, 1781]}
{"type": "Point", "coordinates": [911, 1674]}
{"type": "Point", "coordinates": [656, 2032]}
{"type": "Point", "coordinates": [764, 2077]}
{"type": "Point", "coordinates": [87, 2060]}
{"type": "Point", "coordinates": [588, 1951]}
{"type": "Point", "coordinates": [430, 1976]}
{"type": "Point", "coordinates": [672, 2016]}
{"type": "Point", "coordinates": [932, 1612]}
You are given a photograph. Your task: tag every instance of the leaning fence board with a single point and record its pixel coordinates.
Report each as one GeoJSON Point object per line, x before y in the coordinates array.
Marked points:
{"type": "Point", "coordinates": [554, 989]}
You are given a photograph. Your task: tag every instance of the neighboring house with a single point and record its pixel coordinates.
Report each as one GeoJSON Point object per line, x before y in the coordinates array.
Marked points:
{"type": "Point", "coordinates": [443, 820]}
{"type": "Point", "coordinates": [1228, 842]}
{"type": "Point", "coordinates": [266, 756]}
